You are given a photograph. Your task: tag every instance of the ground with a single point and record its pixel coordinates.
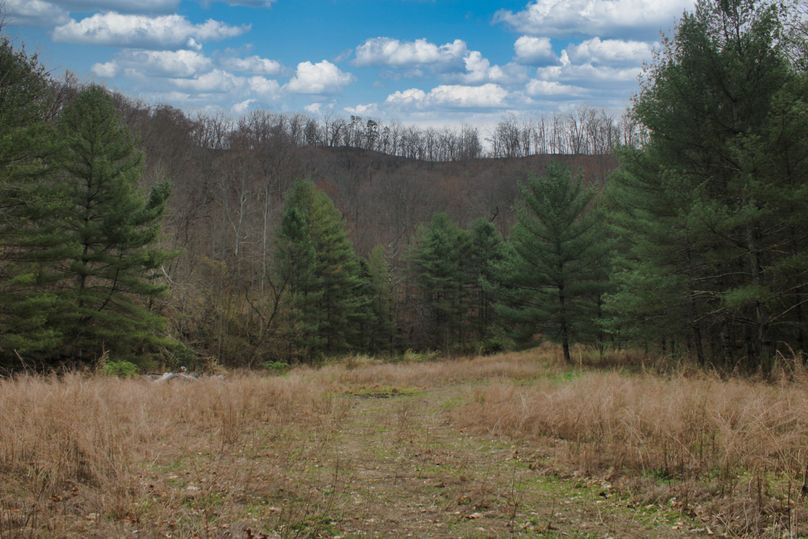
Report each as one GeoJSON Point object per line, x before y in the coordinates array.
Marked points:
{"type": "Point", "coordinates": [517, 445]}
{"type": "Point", "coordinates": [392, 465]}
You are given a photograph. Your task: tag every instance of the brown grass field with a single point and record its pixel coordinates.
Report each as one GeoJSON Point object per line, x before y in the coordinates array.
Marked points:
{"type": "Point", "coordinates": [516, 444]}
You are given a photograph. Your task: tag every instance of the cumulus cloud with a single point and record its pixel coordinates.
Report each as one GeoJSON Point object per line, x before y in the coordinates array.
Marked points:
{"type": "Point", "coordinates": [216, 81]}
{"type": "Point", "coordinates": [594, 17]}
{"type": "Point", "coordinates": [412, 96]}
{"type": "Point", "coordinates": [180, 63]}
{"type": "Point", "coordinates": [533, 50]}
{"type": "Point", "coordinates": [313, 108]}
{"type": "Point", "coordinates": [320, 78]}
{"type": "Point", "coordinates": [219, 81]}
{"type": "Point", "coordinates": [162, 32]}
{"type": "Point", "coordinates": [610, 52]}
{"type": "Point", "coordinates": [394, 53]}
{"type": "Point", "coordinates": [588, 73]}
{"type": "Point", "coordinates": [106, 70]}
{"type": "Point", "coordinates": [551, 88]}
{"type": "Point", "coordinates": [141, 6]}
{"type": "Point", "coordinates": [452, 96]}
{"type": "Point", "coordinates": [242, 106]}
{"type": "Point", "coordinates": [361, 110]}
{"type": "Point", "coordinates": [253, 64]}
{"type": "Point", "coordinates": [263, 86]}
{"type": "Point", "coordinates": [33, 12]}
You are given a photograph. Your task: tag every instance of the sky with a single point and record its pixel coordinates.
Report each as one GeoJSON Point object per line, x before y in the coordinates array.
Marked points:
{"type": "Point", "coordinates": [422, 62]}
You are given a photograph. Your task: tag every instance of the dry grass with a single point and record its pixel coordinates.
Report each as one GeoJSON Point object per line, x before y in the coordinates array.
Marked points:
{"type": "Point", "coordinates": [87, 441]}
{"type": "Point", "coordinates": [82, 456]}
{"type": "Point", "coordinates": [734, 452]}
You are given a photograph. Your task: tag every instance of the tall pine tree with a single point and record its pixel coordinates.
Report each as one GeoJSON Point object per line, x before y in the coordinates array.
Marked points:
{"type": "Point", "coordinates": [713, 209]}
{"type": "Point", "coordinates": [553, 272]}
{"type": "Point", "coordinates": [110, 229]}
{"type": "Point", "coordinates": [30, 240]}
{"type": "Point", "coordinates": [328, 305]}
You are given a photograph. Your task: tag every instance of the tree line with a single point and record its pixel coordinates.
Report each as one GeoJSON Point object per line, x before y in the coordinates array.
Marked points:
{"type": "Point", "coordinates": [585, 131]}
{"type": "Point", "coordinates": [696, 246]}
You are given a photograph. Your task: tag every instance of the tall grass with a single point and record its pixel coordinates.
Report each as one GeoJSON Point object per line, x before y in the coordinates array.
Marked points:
{"type": "Point", "coordinates": [96, 434]}
{"type": "Point", "coordinates": [733, 452]}
{"type": "Point", "coordinates": [739, 446]}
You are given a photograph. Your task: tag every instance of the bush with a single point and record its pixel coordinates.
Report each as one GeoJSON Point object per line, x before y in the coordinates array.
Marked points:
{"type": "Point", "coordinates": [123, 368]}
{"type": "Point", "coordinates": [276, 367]}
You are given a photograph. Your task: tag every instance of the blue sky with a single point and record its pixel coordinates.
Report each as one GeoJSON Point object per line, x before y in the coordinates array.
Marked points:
{"type": "Point", "coordinates": [426, 62]}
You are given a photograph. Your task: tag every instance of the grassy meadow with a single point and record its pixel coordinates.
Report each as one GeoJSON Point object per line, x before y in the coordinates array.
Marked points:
{"type": "Point", "coordinates": [517, 444]}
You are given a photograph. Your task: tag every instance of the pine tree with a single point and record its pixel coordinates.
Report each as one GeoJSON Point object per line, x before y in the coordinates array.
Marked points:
{"type": "Point", "coordinates": [29, 241]}
{"type": "Point", "coordinates": [714, 201]}
{"type": "Point", "coordinates": [110, 270]}
{"type": "Point", "coordinates": [296, 259]}
{"type": "Point", "coordinates": [380, 279]}
{"type": "Point", "coordinates": [319, 262]}
{"type": "Point", "coordinates": [438, 259]}
{"type": "Point", "coordinates": [552, 272]}
{"type": "Point", "coordinates": [485, 255]}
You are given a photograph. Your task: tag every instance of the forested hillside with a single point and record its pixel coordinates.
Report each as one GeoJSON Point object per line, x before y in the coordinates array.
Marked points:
{"type": "Point", "coordinates": [142, 234]}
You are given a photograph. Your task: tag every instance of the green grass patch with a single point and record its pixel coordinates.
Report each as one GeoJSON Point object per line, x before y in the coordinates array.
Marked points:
{"type": "Point", "coordinates": [384, 392]}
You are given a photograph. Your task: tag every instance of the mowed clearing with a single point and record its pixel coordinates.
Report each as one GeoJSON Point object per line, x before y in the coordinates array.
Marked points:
{"type": "Point", "coordinates": [359, 449]}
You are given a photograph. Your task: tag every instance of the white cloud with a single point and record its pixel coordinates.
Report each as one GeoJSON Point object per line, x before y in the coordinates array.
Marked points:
{"type": "Point", "coordinates": [361, 110]}
{"type": "Point", "coordinates": [610, 51]}
{"type": "Point", "coordinates": [253, 64]}
{"type": "Point", "coordinates": [551, 88]}
{"type": "Point", "coordinates": [320, 78]}
{"type": "Point", "coordinates": [478, 68]}
{"type": "Point", "coordinates": [241, 107]}
{"type": "Point", "coordinates": [263, 86]}
{"type": "Point", "coordinates": [32, 12]}
{"type": "Point", "coordinates": [105, 70]}
{"type": "Point", "coordinates": [216, 81]}
{"type": "Point", "coordinates": [141, 6]}
{"type": "Point", "coordinates": [394, 53]}
{"type": "Point", "coordinates": [180, 63]}
{"type": "Point", "coordinates": [586, 74]}
{"type": "Point", "coordinates": [452, 96]}
{"type": "Point", "coordinates": [406, 97]}
{"type": "Point", "coordinates": [594, 17]}
{"type": "Point", "coordinates": [313, 108]}
{"type": "Point", "coordinates": [533, 50]}
{"type": "Point", "coordinates": [162, 32]}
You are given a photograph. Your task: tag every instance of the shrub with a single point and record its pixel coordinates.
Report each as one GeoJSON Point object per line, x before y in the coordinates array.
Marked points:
{"type": "Point", "coordinates": [123, 369]}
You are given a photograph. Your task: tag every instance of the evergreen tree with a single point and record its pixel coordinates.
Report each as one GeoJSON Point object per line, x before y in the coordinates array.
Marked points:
{"type": "Point", "coordinates": [380, 279]}
{"type": "Point", "coordinates": [328, 300]}
{"type": "Point", "coordinates": [715, 202]}
{"type": "Point", "coordinates": [482, 263]}
{"type": "Point", "coordinates": [296, 259]}
{"type": "Point", "coordinates": [438, 259]}
{"type": "Point", "coordinates": [552, 272]}
{"type": "Point", "coordinates": [110, 229]}
{"type": "Point", "coordinates": [28, 238]}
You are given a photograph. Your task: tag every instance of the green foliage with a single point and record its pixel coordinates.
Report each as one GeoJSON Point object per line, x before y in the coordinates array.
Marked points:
{"type": "Point", "coordinates": [328, 295]}
{"type": "Point", "coordinates": [79, 270]}
{"type": "Point", "coordinates": [381, 330]}
{"type": "Point", "coordinates": [110, 269]}
{"type": "Point", "coordinates": [438, 258]}
{"type": "Point", "coordinates": [712, 214]}
{"type": "Point", "coordinates": [26, 102]}
{"type": "Point", "coordinates": [276, 367]}
{"type": "Point", "coordinates": [554, 271]}
{"type": "Point", "coordinates": [121, 368]}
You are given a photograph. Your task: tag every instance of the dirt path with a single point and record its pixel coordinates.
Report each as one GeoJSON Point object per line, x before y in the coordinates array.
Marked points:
{"type": "Point", "coordinates": [395, 468]}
